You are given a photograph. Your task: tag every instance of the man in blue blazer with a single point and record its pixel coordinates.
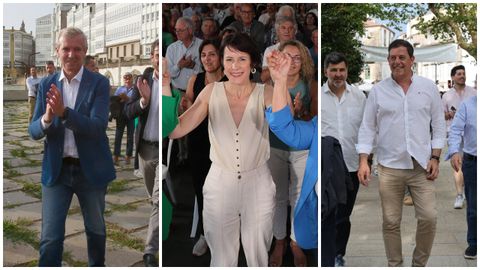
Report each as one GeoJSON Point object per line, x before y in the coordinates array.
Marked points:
{"type": "Point", "coordinates": [144, 104]}
{"type": "Point", "coordinates": [71, 112]}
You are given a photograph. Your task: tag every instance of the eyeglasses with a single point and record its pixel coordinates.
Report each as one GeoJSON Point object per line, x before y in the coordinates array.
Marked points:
{"type": "Point", "coordinates": [127, 77]}
{"type": "Point", "coordinates": [180, 30]}
{"type": "Point", "coordinates": [248, 12]}
{"type": "Point", "coordinates": [297, 59]}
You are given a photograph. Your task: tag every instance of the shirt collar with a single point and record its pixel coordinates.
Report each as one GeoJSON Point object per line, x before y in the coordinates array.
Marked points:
{"type": "Point", "coordinates": [326, 88]}
{"type": "Point", "coordinates": [77, 77]}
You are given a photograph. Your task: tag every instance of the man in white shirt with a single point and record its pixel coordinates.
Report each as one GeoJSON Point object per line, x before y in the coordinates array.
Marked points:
{"type": "Point", "coordinates": [32, 84]}
{"type": "Point", "coordinates": [342, 111]}
{"type": "Point", "coordinates": [451, 103]}
{"type": "Point", "coordinates": [406, 112]}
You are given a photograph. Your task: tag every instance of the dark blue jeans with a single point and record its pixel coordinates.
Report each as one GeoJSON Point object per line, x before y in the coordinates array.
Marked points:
{"type": "Point", "coordinates": [56, 201]}
{"type": "Point", "coordinates": [469, 168]}
{"type": "Point", "coordinates": [122, 122]}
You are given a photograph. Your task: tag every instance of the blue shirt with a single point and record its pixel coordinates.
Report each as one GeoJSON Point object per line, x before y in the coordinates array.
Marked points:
{"type": "Point", "coordinates": [124, 90]}
{"type": "Point", "coordinates": [301, 135]}
{"type": "Point", "coordinates": [464, 126]}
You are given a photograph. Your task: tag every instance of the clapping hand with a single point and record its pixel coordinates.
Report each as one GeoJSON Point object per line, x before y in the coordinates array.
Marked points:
{"type": "Point", "coordinates": [165, 73]}
{"type": "Point", "coordinates": [278, 65]}
{"type": "Point", "coordinates": [144, 90]}
{"type": "Point", "coordinates": [54, 102]}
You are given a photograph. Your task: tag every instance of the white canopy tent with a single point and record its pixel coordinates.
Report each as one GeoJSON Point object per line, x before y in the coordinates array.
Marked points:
{"type": "Point", "coordinates": [436, 53]}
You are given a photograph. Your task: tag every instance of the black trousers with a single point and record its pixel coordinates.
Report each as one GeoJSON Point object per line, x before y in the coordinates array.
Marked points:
{"type": "Point", "coordinates": [343, 217]}
{"type": "Point", "coordinates": [328, 241]}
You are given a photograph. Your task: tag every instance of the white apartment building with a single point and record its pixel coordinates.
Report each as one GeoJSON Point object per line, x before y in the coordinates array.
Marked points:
{"type": "Point", "coordinates": [44, 40]}
{"type": "Point", "coordinates": [378, 35]}
{"type": "Point", "coordinates": [18, 47]}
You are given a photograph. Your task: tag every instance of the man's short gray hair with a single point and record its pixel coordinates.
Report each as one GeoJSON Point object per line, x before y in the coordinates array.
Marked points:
{"type": "Point", "coordinates": [282, 9]}
{"type": "Point", "coordinates": [279, 20]}
{"type": "Point", "coordinates": [71, 32]}
{"type": "Point", "coordinates": [187, 21]}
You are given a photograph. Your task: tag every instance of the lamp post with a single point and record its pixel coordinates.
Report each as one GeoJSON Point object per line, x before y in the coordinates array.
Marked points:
{"type": "Point", "coordinates": [30, 58]}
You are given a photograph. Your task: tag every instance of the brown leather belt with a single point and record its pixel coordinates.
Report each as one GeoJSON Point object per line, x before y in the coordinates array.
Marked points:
{"type": "Point", "coordinates": [150, 143]}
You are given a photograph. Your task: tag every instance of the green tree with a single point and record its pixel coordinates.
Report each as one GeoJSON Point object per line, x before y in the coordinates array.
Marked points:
{"type": "Point", "coordinates": [452, 22]}
{"type": "Point", "coordinates": [341, 24]}
{"type": "Point", "coordinates": [342, 27]}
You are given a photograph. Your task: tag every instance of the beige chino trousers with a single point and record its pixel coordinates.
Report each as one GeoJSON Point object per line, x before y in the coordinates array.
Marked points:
{"type": "Point", "coordinates": [392, 184]}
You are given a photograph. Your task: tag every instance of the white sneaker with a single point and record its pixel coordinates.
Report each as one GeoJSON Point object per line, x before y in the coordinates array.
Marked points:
{"type": "Point", "coordinates": [201, 247]}
{"type": "Point", "coordinates": [459, 201]}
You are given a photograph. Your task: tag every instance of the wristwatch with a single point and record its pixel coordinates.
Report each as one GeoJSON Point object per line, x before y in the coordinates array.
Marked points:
{"type": "Point", "coordinates": [435, 157]}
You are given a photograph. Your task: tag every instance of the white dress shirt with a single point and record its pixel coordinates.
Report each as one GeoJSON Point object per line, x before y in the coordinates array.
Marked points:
{"type": "Point", "coordinates": [69, 96]}
{"type": "Point", "coordinates": [151, 131]}
{"type": "Point", "coordinates": [453, 98]}
{"type": "Point", "coordinates": [32, 85]}
{"type": "Point", "coordinates": [403, 123]}
{"type": "Point", "coordinates": [341, 119]}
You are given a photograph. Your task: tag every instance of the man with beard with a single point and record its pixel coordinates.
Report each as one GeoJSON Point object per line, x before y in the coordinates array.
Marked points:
{"type": "Point", "coordinates": [404, 115]}
{"type": "Point", "coordinates": [451, 102]}
{"type": "Point", "coordinates": [342, 111]}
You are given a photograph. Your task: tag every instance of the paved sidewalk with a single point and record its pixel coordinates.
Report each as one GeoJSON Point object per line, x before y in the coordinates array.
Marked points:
{"type": "Point", "coordinates": [127, 207]}
{"type": "Point", "coordinates": [366, 247]}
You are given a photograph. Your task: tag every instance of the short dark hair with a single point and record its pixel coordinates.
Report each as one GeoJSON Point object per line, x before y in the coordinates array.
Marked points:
{"type": "Point", "coordinates": [88, 58]}
{"type": "Point", "coordinates": [334, 58]}
{"type": "Point", "coordinates": [154, 45]}
{"type": "Point", "coordinates": [49, 62]}
{"type": "Point", "coordinates": [455, 68]}
{"type": "Point", "coordinates": [214, 42]}
{"type": "Point", "coordinates": [401, 43]}
{"type": "Point", "coordinates": [243, 43]}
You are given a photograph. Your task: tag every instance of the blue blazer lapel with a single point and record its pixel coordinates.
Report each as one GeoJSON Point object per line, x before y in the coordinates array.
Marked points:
{"type": "Point", "coordinates": [84, 89]}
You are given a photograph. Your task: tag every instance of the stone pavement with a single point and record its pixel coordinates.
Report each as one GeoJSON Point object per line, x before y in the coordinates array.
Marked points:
{"type": "Point", "coordinates": [127, 206]}
{"type": "Point", "coordinates": [366, 247]}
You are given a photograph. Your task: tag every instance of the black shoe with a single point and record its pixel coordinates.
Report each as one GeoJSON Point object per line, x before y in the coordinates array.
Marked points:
{"type": "Point", "coordinates": [470, 253]}
{"type": "Point", "coordinates": [149, 260]}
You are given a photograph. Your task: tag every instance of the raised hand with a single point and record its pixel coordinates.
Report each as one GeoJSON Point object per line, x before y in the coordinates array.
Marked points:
{"type": "Point", "coordinates": [144, 90]}
{"type": "Point", "coordinates": [165, 74]}
{"type": "Point", "coordinates": [278, 65]}
{"type": "Point", "coordinates": [55, 100]}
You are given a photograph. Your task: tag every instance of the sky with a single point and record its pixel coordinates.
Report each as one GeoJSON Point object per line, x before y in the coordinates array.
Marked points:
{"type": "Point", "coordinates": [13, 14]}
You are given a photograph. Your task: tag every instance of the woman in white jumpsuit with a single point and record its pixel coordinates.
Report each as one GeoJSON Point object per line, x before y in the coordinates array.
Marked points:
{"type": "Point", "coordinates": [239, 192]}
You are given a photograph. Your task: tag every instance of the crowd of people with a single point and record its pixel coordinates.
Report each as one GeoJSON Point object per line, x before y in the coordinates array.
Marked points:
{"type": "Point", "coordinates": [226, 59]}
{"type": "Point", "coordinates": [403, 123]}
{"type": "Point", "coordinates": [71, 111]}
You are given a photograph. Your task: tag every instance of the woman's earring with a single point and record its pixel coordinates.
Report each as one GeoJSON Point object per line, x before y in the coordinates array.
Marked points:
{"type": "Point", "coordinates": [253, 70]}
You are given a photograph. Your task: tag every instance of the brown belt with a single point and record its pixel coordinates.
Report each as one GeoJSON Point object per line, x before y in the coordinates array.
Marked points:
{"type": "Point", "coordinates": [152, 143]}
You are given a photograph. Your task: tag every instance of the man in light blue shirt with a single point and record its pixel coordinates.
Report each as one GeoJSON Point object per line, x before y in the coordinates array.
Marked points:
{"type": "Point", "coordinates": [182, 55]}
{"type": "Point", "coordinates": [464, 126]}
